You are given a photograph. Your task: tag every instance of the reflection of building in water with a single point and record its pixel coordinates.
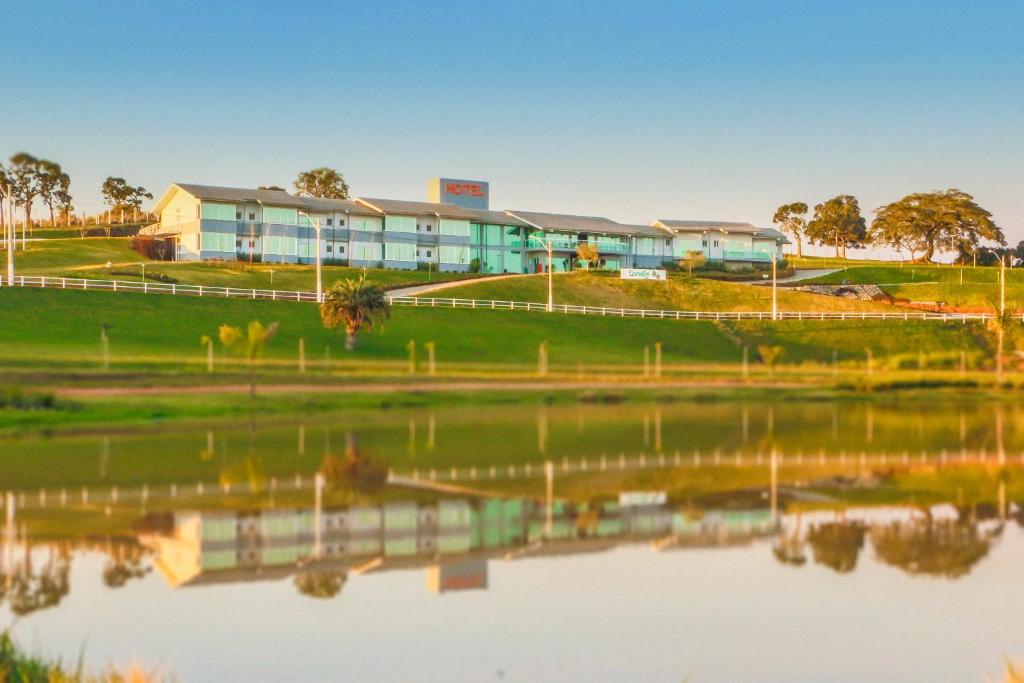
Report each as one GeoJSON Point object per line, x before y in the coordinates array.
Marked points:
{"type": "Point", "coordinates": [226, 546]}
{"type": "Point", "coordinates": [459, 575]}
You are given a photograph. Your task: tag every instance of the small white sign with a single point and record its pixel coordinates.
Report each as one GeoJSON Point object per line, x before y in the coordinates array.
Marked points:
{"type": "Point", "coordinates": [643, 274]}
{"type": "Point", "coordinates": [628, 498]}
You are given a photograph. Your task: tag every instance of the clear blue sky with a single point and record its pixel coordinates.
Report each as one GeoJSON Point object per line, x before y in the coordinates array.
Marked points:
{"type": "Point", "coordinates": [715, 110]}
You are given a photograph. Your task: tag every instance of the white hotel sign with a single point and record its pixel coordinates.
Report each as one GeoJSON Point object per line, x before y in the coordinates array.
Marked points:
{"type": "Point", "coordinates": [642, 274]}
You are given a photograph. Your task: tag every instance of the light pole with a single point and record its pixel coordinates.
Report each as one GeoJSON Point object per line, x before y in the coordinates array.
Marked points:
{"type": "Point", "coordinates": [551, 299]}
{"type": "Point", "coordinates": [775, 304]}
{"type": "Point", "coordinates": [319, 281]}
{"type": "Point", "coordinates": [1002, 281]}
{"type": "Point", "coordinates": [10, 236]}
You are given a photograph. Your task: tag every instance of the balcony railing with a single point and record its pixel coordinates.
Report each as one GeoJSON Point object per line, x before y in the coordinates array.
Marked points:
{"type": "Point", "coordinates": [570, 244]}
{"type": "Point", "coordinates": [748, 256]}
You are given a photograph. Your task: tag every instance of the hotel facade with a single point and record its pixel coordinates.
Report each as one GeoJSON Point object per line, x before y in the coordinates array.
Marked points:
{"type": "Point", "coordinates": [455, 230]}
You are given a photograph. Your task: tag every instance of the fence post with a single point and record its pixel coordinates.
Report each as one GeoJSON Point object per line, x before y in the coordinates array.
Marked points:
{"type": "Point", "coordinates": [411, 349]}
{"type": "Point", "coordinates": [431, 367]}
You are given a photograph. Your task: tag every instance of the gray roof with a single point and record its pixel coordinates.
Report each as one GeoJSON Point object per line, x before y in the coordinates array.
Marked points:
{"type": "Point", "coordinates": [417, 208]}
{"type": "Point", "coordinates": [497, 218]}
{"type": "Point", "coordinates": [339, 205]}
{"type": "Point", "coordinates": [724, 226]}
{"type": "Point", "coordinates": [215, 193]}
{"type": "Point", "coordinates": [565, 222]}
{"type": "Point", "coordinates": [648, 231]}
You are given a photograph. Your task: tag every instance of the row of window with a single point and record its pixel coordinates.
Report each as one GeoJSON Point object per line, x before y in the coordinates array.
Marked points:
{"type": "Point", "coordinates": [284, 216]}
{"type": "Point", "coordinates": [361, 251]}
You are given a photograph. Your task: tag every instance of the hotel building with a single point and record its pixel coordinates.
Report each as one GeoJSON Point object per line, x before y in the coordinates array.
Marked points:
{"type": "Point", "coordinates": [454, 231]}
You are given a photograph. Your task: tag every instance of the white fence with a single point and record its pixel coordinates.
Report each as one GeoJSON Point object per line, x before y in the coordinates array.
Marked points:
{"type": "Point", "coordinates": [437, 302]}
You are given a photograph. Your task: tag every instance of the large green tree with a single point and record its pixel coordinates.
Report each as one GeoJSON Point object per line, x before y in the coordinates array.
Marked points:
{"type": "Point", "coordinates": [51, 177]}
{"type": "Point", "coordinates": [120, 195]}
{"type": "Point", "coordinates": [24, 177]}
{"type": "Point", "coordinates": [925, 221]}
{"type": "Point", "coordinates": [791, 220]}
{"type": "Point", "coordinates": [322, 182]}
{"type": "Point", "coordinates": [838, 222]}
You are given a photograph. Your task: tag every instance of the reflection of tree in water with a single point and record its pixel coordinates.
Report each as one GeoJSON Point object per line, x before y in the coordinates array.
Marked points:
{"type": "Point", "coordinates": [322, 584]}
{"type": "Point", "coordinates": [124, 563]}
{"type": "Point", "coordinates": [946, 548]}
{"type": "Point", "coordinates": [837, 544]}
{"type": "Point", "coordinates": [29, 588]}
{"type": "Point", "coordinates": [356, 471]}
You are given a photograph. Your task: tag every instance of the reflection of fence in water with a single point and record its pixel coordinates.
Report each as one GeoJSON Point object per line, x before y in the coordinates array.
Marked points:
{"type": "Point", "coordinates": [113, 495]}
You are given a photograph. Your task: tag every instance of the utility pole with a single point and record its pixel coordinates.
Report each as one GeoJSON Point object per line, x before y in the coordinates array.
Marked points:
{"type": "Point", "coordinates": [775, 304]}
{"type": "Point", "coordinates": [319, 280]}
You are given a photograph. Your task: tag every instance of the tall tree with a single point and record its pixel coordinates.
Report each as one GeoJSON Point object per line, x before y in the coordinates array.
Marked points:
{"type": "Point", "coordinates": [120, 195]}
{"type": "Point", "coordinates": [925, 221]}
{"type": "Point", "coordinates": [791, 220]}
{"type": "Point", "coordinates": [23, 175]}
{"type": "Point", "coordinates": [49, 181]}
{"type": "Point", "coordinates": [62, 196]}
{"type": "Point", "coordinates": [838, 222]}
{"type": "Point", "coordinates": [322, 182]}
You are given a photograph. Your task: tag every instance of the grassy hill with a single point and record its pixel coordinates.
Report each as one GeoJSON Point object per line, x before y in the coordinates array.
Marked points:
{"type": "Point", "coordinates": [980, 288]}
{"type": "Point", "coordinates": [49, 327]}
{"type": "Point", "coordinates": [677, 293]}
{"type": "Point", "coordinates": [65, 326]}
{"type": "Point", "coordinates": [88, 258]}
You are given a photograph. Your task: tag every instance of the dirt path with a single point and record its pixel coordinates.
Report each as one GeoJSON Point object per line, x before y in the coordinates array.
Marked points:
{"type": "Point", "coordinates": [415, 387]}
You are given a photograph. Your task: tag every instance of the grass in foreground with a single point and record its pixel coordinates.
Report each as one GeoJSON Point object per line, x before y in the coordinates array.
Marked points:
{"type": "Point", "coordinates": [677, 293]}
{"type": "Point", "coordinates": [18, 666]}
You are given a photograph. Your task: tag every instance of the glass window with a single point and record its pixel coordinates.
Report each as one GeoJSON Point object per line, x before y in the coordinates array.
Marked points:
{"type": "Point", "coordinates": [218, 212]}
{"type": "Point", "coordinates": [454, 254]}
{"type": "Point", "coordinates": [454, 227]}
{"type": "Point", "coordinates": [366, 251]}
{"type": "Point", "coordinates": [400, 223]}
{"type": "Point", "coordinates": [216, 241]}
{"type": "Point", "coordinates": [399, 251]}
{"type": "Point", "coordinates": [275, 214]}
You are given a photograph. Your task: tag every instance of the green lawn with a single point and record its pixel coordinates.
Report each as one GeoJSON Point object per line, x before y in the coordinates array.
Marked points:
{"type": "Point", "coordinates": [55, 326]}
{"type": "Point", "coordinates": [677, 293]}
{"type": "Point", "coordinates": [42, 324]}
{"type": "Point", "coordinates": [980, 288]}
{"type": "Point", "coordinates": [88, 258]}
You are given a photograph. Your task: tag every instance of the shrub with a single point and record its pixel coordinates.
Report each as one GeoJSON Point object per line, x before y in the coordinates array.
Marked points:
{"type": "Point", "coordinates": [18, 399]}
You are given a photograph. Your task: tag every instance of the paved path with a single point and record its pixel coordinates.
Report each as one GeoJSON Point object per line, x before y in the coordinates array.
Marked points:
{"type": "Point", "coordinates": [417, 290]}
{"type": "Point", "coordinates": [798, 276]}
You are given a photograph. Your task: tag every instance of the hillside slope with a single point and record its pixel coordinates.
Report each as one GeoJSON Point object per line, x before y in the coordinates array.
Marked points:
{"type": "Point", "coordinates": [677, 293]}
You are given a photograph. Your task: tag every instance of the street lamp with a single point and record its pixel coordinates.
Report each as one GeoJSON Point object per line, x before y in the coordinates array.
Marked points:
{"type": "Point", "coordinates": [319, 280]}
{"type": "Point", "coordinates": [1002, 280]}
{"type": "Point", "coordinates": [9, 233]}
{"type": "Point", "coordinates": [551, 300]}
{"type": "Point", "coordinates": [775, 304]}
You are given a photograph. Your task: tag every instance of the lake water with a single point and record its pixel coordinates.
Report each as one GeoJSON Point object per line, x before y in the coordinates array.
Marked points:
{"type": "Point", "coordinates": [713, 541]}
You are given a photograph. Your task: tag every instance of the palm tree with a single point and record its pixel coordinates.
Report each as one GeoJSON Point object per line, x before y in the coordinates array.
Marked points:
{"type": "Point", "coordinates": [355, 304]}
